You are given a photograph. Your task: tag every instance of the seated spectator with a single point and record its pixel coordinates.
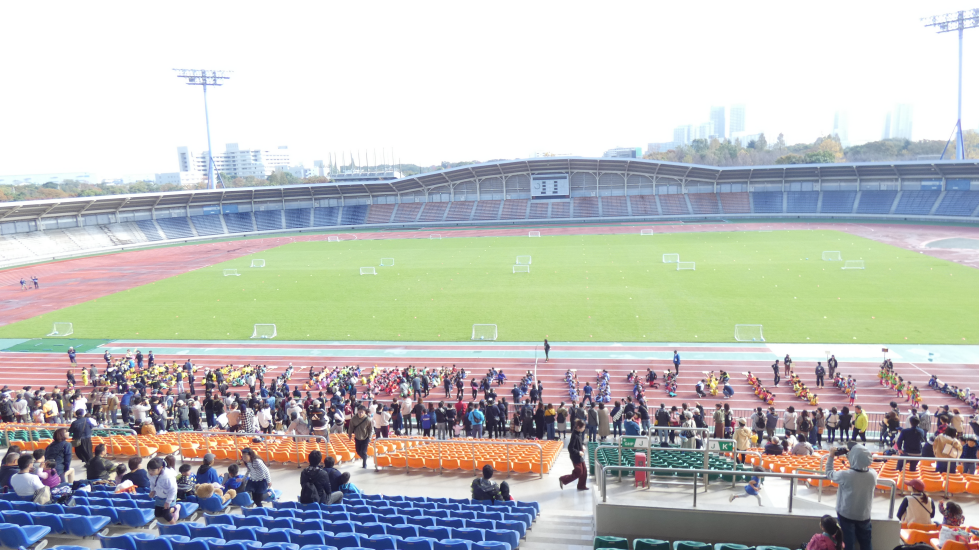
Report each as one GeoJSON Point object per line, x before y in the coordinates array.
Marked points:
{"type": "Point", "coordinates": [163, 491]}
{"type": "Point", "coordinates": [206, 473]}
{"type": "Point", "coordinates": [148, 428]}
{"type": "Point", "coordinates": [99, 467]}
{"type": "Point", "coordinates": [25, 483]}
{"type": "Point", "coordinates": [631, 426]}
{"type": "Point", "coordinates": [314, 483]}
{"type": "Point", "coordinates": [185, 482]}
{"type": "Point", "coordinates": [49, 474]}
{"type": "Point", "coordinates": [121, 471]}
{"type": "Point", "coordinates": [137, 475]}
{"type": "Point", "coordinates": [337, 479]}
{"type": "Point", "coordinates": [232, 480]}
{"type": "Point", "coordinates": [831, 537]}
{"type": "Point", "coordinates": [9, 468]}
{"type": "Point", "coordinates": [484, 488]}
{"type": "Point", "coordinates": [802, 447]}
{"type": "Point", "coordinates": [505, 491]}
{"type": "Point", "coordinates": [773, 447]}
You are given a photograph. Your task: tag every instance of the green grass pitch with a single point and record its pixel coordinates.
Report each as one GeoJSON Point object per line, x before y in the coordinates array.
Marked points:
{"type": "Point", "coordinates": [580, 288]}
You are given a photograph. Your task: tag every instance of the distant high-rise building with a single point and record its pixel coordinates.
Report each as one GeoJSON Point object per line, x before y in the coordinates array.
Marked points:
{"type": "Point", "coordinates": [737, 119]}
{"type": "Point", "coordinates": [683, 135]}
{"type": "Point", "coordinates": [900, 126]}
{"type": "Point", "coordinates": [705, 130]}
{"type": "Point", "coordinates": [717, 117]}
{"type": "Point", "coordinates": [841, 127]}
{"type": "Point", "coordinates": [624, 153]}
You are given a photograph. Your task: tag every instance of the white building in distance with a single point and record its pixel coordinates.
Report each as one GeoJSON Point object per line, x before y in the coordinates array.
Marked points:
{"type": "Point", "coordinates": [897, 124]}
{"type": "Point", "coordinates": [234, 162]}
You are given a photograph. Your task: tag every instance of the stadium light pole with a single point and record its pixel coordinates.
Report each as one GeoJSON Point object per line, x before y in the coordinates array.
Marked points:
{"type": "Point", "coordinates": [956, 22]}
{"type": "Point", "coordinates": [205, 78]}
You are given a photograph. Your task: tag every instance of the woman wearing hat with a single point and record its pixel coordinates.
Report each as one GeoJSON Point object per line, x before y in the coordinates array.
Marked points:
{"type": "Point", "coordinates": [742, 439]}
{"type": "Point", "coordinates": [916, 507]}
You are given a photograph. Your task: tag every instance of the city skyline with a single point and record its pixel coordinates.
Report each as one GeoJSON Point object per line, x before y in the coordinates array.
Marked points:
{"type": "Point", "coordinates": [440, 104]}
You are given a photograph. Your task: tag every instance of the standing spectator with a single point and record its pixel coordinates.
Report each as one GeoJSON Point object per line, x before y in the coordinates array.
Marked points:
{"type": "Point", "coordinates": [604, 429]}
{"type": "Point", "coordinates": [771, 422]}
{"type": "Point", "coordinates": [833, 365]}
{"type": "Point", "coordinates": [577, 454]}
{"type": "Point", "coordinates": [476, 418]}
{"type": "Point", "coordinates": [924, 419]}
{"type": "Point", "coordinates": [81, 436]}
{"type": "Point", "coordinates": [832, 422]}
{"type": "Point", "coordinates": [360, 430]}
{"type": "Point", "coordinates": [60, 452]}
{"type": "Point", "coordinates": [592, 422]}
{"type": "Point", "coordinates": [259, 479]}
{"type": "Point", "coordinates": [547, 350]}
{"type": "Point", "coordinates": [757, 421]}
{"type": "Point", "coordinates": [778, 378]}
{"type": "Point", "coordinates": [820, 373]}
{"type": "Point", "coordinates": [946, 445]}
{"type": "Point", "coordinates": [788, 364]}
{"type": "Point", "coordinates": [855, 497]}
{"type": "Point", "coordinates": [742, 439]}
{"type": "Point", "coordinates": [790, 420]}
{"type": "Point", "coordinates": [676, 362]}
{"type": "Point", "coordinates": [71, 357]}
{"type": "Point", "coordinates": [910, 442]}
{"type": "Point", "coordinates": [718, 421]}
{"type": "Point", "coordinates": [846, 421]}
{"type": "Point", "coordinates": [860, 425]}
{"type": "Point", "coordinates": [616, 416]}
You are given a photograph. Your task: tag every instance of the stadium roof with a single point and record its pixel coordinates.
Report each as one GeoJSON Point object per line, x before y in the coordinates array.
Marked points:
{"type": "Point", "coordinates": [686, 173]}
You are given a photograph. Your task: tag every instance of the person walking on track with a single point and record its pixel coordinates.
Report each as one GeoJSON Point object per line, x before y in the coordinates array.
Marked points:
{"type": "Point", "coordinates": [577, 453]}
{"type": "Point", "coordinates": [777, 377]}
{"type": "Point", "coordinates": [547, 350]}
{"type": "Point", "coordinates": [676, 362]}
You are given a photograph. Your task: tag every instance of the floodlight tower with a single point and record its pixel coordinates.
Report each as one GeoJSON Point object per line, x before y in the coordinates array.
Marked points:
{"type": "Point", "coordinates": [205, 78]}
{"type": "Point", "coordinates": [949, 22]}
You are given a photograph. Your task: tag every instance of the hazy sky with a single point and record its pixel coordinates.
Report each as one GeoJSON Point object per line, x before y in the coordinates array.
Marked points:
{"type": "Point", "coordinates": [89, 85]}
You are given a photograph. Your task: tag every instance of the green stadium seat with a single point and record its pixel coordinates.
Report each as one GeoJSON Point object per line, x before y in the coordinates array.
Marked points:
{"type": "Point", "coordinates": [729, 546]}
{"type": "Point", "coordinates": [650, 544]}
{"type": "Point", "coordinates": [771, 548]}
{"type": "Point", "coordinates": [691, 545]}
{"type": "Point", "coordinates": [611, 542]}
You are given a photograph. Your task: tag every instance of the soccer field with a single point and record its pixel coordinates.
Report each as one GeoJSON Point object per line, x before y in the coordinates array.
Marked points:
{"type": "Point", "coordinates": [602, 288]}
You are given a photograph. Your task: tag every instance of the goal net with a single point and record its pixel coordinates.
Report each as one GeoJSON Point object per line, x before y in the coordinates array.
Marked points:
{"type": "Point", "coordinates": [387, 262]}
{"type": "Point", "coordinates": [686, 265]}
{"type": "Point", "coordinates": [832, 256]}
{"type": "Point", "coordinates": [748, 333]}
{"type": "Point", "coordinates": [534, 234]}
{"type": "Point", "coordinates": [853, 264]}
{"type": "Point", "coordinates": [521, 269]}
{"type": "Point", "coordinates": [646, 232]}
{"type": "Point", "coordinates": [435, 237]}
{"type": "Point", "coordinates": [264, 331]}
{"type": "Point", "coordinates": [258, 263]}
{"type": "Point", "coordinates": [231, 273]}
{"type": "Point", "coordinates": [368, 271]}
{"type": "Point", "coordinates": [484, 332]}
{"type": "Point", "coordinates": [523, 260]}
{"type": "Point", "coordinates": [671, 258]}
{"type": "Point", "coordinates": [61, 329]}
{"type": "Point", "coordinates": [333, 239]}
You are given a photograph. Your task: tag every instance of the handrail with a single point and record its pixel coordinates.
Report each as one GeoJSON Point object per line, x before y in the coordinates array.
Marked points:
{"type": "Point", "coordinates": [602, 480]}
{"type": "Point", "coordinates": [884, 458]}
{"type": "Point", "coordinates": [473, 442]}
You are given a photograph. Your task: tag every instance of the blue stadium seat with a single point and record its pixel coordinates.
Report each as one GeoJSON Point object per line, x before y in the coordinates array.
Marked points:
{"type": "Point", "coordinates": [203, 543]}
{"type": "Point", "coordinates": [359, 509]}
{"type": "Point", "coordinates": [50, 509]}
{"type": "Point", "coordinates": [424, 521]}
{"type": "Point", "coordinates": [346, 540]}
{"type": "Point", "coordinates": [175, 529]}
{"type": "Point", "coordinates": [243, 499]}
{"type": "Point", "coordinates": [283, 513]}
{"type": "Point", "coordinates": [417, 543]}
{"type": "Point", "coordinates": [318, 547]}
{"type": "Point", "coordinates": [28, 507]}
{"type": "Point", "coordinates": [342, 527]}
{"type": "Point", "coordinates": [22, 537]}
{"type": "Point", "coordinates": [69, 547]}
{"type": "Point", "coordinates": [308, 524]}
{"type": "Point", "coordinates": [257, 512]}
{"type": "Point", "coordinates": [481, 523]}
{"type": "Point", "coordinates": [236, 545]}
{"type": "Point", "coordinates": [188, 509]}
{"type": "Point", "coordinates": [518, 526]}
{"type": "Point", "coordinates": [278, 535]}
{"type": "Point", "coordinates": [198, 531]}
{"type": "Point", "coordinates": [109, 512]}
{"type": "Point", "coordinates": [454, 523]}
{"type": "Point", "coordinates": [122, 542]}
{"type": "Point", "coordinates": [84, 526]}
{"type": "Point", "coordinates": [437, 533]}
{"type": "Point", "coordinates": [231, 533]}
{"type": "Point", "coordinates": [119, 503]}
{"type": "Point", "coordinates": [310, 537]}
{"type": "Point", "coordinates": [281, 546]}
{"type": "Point", "coordinates": [396, 520]}
{"type": "Point", "coordinates": [460, 501]}
{"type": "Point", "coordinates": [385, 510]}
{"type": "Point", "coordinates": [17, 517]}
{"type": "Point", "coordinates": [309, 514]}
{"type": "Point", "coordinates": [438, 513]}
{"type": "Point", "coordinates": [280, 523]}
{"type": "Point", "coordinates": [371, 528]}
{"type": "Point", "coordinates": [512, 538]}
{"type": "Point", "coordinates": [285, 505]}
{"type": "Point", "coordinates": [250, 521]}
{"type": "Point", "coordinates": [411, 512]}
{"type": "Point", "coordinates": [364, 518]}
{"type": "Point", "coordinates": [53, 521]}
{"type": "Point", "coordinates": [451, 544]}
{"type": "Point", "coordinates": [495, 516]}
{"type": "Point", "coordinates": [381, 542]}
{"type": "Point", "coordinates": [213, 505]}
{"type": "Point", "coordinates": [468, 533]}
{"type": "Point", "coordinates": [465, 514]}
{"type": "Point", "coordinates": [491, 545]}
{"type": "Point", "coordinates": [450, 506]}
{"type": "Point", "coordinates": [222, 519]}
{"type": "Point", "coordinates": [158, 543]}
{"type": "Point", "coordinates": [406, 531]}
{"type": "Point", "coordinates": [337, 516]}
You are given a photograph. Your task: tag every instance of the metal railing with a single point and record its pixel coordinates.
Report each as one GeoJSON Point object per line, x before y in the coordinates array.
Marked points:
{"type": "Point", "coordinates": [33, 429]}
{"type": "Point", "coordinates": [696, 473]}
{"type": "Point", "coordinates": [472, 442]}
{"type": "Point", "coordinates": [920, 459]}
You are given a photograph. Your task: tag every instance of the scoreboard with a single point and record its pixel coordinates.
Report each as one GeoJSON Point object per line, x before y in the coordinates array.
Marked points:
{"type": "Point", "coordinates": [549, 186]}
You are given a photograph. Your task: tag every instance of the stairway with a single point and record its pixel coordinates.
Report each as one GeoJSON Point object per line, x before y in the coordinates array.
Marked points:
{"type": "Point", "coordinates": [557, 529]}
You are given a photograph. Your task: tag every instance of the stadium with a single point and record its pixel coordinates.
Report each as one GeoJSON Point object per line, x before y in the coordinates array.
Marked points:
{"type": "Point", "coordinates": [618, 263]}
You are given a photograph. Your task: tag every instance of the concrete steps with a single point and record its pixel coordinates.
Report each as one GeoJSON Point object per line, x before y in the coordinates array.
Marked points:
{"type": "Point", "coordinates": [561, 530]}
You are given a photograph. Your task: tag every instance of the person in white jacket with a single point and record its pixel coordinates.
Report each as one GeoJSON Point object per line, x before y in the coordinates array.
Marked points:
{"type": "Point", "coordinates": [163, 490]}
{"type": "Point", "coordinates": [855, 495]}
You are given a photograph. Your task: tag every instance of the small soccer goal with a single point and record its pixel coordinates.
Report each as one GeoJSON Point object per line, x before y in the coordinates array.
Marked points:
{"type": "Point", "coordinates": [61, 329]}
{"type": "Point", "coordinates": [387, 262]}
{"type": "Point", "coordinates": [333, 239]}
{"type": "Point", "coordinates": [521, 269]}
{"type": "Point", "coordinates": [264, 331]}
{"type": "Point", "coordinates": [832, 256]}
{"type": "Point", "coordinates": [231, 273]}
{"type": "Point", "coordinates": [748, 333]}
{"type": "Point", "coordinates": [523, 260]}
{"type": "Point", "coordinates": [484, 332]}
{"type": "Point", "coordinates": [853, 264]}
{"type": "Point", "coordinates": [368, 271]}
{"type": "Point", "coordinates": [435, 237]}
{"type": "Point", "coordinates": [686, 265]}
{"type": "Point", "coordinates": [671, 258]}
{"type": "Point", "coordinates": [258, 263]}
{"type": "Point", "coordinates": [646, 232]}
{"type": "Point", "coordinates": [534, 234]}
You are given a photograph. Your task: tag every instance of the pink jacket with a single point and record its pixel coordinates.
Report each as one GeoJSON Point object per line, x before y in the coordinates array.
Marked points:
{"type": "Point", "coordinates": [821, 541]}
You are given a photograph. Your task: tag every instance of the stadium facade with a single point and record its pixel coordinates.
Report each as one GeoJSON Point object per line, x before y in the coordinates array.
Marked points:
{"type": "Point", "coordinates": [599, 189]}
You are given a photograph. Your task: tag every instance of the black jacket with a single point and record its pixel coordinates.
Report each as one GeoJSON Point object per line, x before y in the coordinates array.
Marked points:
{"type": "Point", "coordinates": [314, 486]}
{"type": "Point", "coordinates": [575, 446]}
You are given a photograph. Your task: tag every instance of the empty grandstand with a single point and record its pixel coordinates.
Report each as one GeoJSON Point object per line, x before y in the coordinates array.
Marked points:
{"type": "Point", "coordinates": [496, 192]}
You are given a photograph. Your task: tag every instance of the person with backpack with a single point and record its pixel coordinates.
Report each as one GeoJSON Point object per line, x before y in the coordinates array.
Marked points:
{"type": "Point", "coordinates": [315, 485]}
{"type": "Point", "coordinates": [561, 420]}
{"type": "Point", "coordinates": [662, 419]}
{"type": "Point", "coordinates": [485, 489]}
{"type": "Point", "coordinates": [758, 424]}
{"type": "Point", "coordinates": [476, 419]}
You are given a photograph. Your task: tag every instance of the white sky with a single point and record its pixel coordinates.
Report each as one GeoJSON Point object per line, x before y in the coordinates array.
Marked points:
{"type": "Point", "coordinates": [89, 86]}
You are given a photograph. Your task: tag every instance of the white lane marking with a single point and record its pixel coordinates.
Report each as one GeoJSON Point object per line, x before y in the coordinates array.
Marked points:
{"type": "Point", "coordinates": [928, 374]}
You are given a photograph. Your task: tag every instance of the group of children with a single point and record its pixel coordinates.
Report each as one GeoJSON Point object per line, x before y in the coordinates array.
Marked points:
{"type": "Point", "coordinates": [962, 394]}
{"type": "Point", "coordinates": [889, 378]}
{"type": "Point", "coordinates": [802, 391]}
{"type": "Point", "coordinates": [846, 385]}
{"type": "Point", "coordinates": [760, 391]}
{"type": "Point", "coordinates": [574, 388]}
{"type": "Point", "coordinates": [669, 383]}
{"type": "Point", "coordinates": [341, 379]}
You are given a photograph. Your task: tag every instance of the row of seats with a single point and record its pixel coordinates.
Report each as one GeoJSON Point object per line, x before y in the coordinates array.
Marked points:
{"type": "Point", "coordinates": [78, 525]}
{"type": "Point", "coordinates": [342, 522]}
{"type": "Point", "coordinates": [352, 541]}
{"type": "Point", "coordinates": [620, 543]}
